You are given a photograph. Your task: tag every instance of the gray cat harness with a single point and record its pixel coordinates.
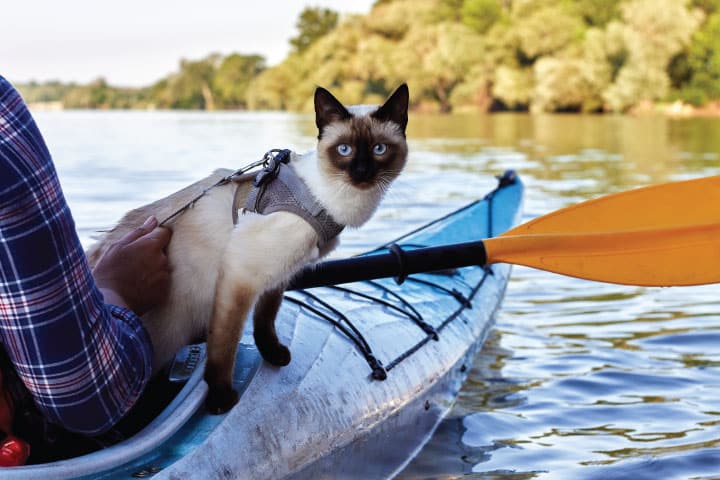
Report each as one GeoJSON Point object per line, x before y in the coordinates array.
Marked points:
{"type": "Point", "coordinates": [278, 188]}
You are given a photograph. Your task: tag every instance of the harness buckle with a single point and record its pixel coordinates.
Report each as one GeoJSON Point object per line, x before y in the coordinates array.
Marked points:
{"type": "Point", "coordinates": [271, 165]}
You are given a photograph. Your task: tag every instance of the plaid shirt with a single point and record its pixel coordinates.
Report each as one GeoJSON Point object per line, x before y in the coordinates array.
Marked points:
{"type": "Point", "coordinates": [85, 363]}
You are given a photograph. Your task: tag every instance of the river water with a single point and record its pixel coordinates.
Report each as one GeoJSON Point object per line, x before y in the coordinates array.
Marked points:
{"type": "Point", "coordinates": [578, 379]}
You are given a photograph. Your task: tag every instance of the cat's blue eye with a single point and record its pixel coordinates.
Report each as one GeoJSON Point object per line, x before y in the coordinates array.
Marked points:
{"type": "Point", "coordinates": [379, 148]}
{"type": "Point", "coordinates": [344, 149]}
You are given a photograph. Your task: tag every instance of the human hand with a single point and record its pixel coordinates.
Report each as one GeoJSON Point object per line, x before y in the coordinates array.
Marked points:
{"type": "Point", "coordinates": [134, 271]}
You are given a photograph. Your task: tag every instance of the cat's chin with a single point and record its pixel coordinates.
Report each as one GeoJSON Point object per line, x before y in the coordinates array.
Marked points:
{"type": "Point", "coordinates": [364, 185]}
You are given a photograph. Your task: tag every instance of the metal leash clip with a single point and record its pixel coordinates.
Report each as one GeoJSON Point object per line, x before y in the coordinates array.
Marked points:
{"type": "Point", "coordinates": [273, 159]}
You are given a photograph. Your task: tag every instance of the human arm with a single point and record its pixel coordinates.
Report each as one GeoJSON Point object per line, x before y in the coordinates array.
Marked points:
{"type": "Point", "coordinates": [84, 362]}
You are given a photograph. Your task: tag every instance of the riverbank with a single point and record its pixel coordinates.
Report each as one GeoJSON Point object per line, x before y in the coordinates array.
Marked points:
{"type": "Point", "coordinates": [677, 109]}
{"type": "Point", "coordinates": [674, 109]}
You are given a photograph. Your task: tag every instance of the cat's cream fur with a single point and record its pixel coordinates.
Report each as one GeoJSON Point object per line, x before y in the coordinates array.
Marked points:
{"type": "Point", "coordinates": [220, 270]}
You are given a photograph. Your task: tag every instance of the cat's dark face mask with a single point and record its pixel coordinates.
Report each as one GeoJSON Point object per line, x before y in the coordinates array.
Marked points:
{"type": "Point", "coordinates": [366, 145]}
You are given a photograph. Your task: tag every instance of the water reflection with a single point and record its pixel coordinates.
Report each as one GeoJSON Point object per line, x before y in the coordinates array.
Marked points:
{"type": "Point", "coordinates": [616, 151]}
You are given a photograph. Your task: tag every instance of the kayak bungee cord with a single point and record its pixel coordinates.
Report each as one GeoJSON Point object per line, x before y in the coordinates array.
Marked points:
{"type": "Point", "coordinates": [454, 292]}
{"type": "Point", "coordinates": [378, 371]}
{"type": "Point", "coordinates": [343, 323]}
{"type": "Point", "coordinates": [412, 315]}
{"type": "Point", "coordinates": [487, 272]}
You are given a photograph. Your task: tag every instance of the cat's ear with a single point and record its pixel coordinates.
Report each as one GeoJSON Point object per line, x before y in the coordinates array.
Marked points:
{"type": "Point", "coordinates": [328, 109]}
{"type": "Point", "coordinates": [395, 108]}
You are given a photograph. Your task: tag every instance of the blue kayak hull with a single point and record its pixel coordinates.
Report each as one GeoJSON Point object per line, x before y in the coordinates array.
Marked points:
{"type": "Point", "coordinates": [325, 415]}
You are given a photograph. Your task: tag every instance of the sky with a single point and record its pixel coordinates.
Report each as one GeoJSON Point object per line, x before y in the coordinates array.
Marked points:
{"type": "Point", "coordinates": [136, 42]}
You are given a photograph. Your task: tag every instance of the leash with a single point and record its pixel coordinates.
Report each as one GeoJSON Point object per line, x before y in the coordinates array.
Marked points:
{"type": "Point", "coordinates": [266, 160]}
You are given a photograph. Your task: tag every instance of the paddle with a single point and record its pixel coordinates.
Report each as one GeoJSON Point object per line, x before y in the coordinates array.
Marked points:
{"type": "Point", "coordinates": [661, 235]}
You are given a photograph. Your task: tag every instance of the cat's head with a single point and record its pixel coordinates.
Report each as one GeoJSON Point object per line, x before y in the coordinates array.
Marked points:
{"type": "Point", "coordinates": [363, 145]}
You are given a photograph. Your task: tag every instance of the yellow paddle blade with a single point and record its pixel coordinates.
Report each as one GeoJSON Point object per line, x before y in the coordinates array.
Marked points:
{"type": "Point", "coordinates": [691, 202]}
{"type": "Point", "coordinates": [677, 256]}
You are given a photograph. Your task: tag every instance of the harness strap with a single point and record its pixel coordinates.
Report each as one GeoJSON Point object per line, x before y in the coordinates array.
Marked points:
{"type": "Point", "coordinates": [238, 200]}
{"type": "Point", "coordinates": [237, 174]}
{"type": "Point", "coordinates": [278, 187]}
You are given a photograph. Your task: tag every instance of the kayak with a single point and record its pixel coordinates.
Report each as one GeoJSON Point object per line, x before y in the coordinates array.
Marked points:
{"type": "Point", "coordinates": [376, 365]}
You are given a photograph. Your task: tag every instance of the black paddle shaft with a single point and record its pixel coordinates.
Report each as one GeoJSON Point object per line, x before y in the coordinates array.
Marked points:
{"type": "Point", "coordinates": [396, 263]}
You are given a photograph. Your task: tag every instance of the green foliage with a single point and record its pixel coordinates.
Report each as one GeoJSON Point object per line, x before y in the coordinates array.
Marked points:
{"type": "Point", "coordinates": [654, 31]}
{"type": "Point", "coordinates": [473, 93]}
{"type": "Point", "coordinates": [190, 87]}
{"type": "Point", "coordinates": [513, 87]}
{"type": "Point", "coordinates": [539, 55]}
{"type": "Point", "coordinates": [272, 90]}
{"type": "Point", "coordinates": [657, 29]}
{"type": "Point", "coordinates": [393, 20]}
{"type": "Point", "coordinates": [525, 8]}
{"type": "Point", "coordinates": [52, 91]}
{"type": "Point", "coordinates": [97, 94]}
{"type": "Point", "coordinates": [572, 85]}
{"type": "Point", "coordinates": [703, 64]}
{"type": "Point", "coordinates": [598, 13]}
{"type": "Point", "coordinates": [480, 15]}
{"type": "Point", "coordinates": [232, 78]}
{"type": "Point", "coordinates": [438, 59]}
{"type": "Point", "coordinates": [313, 23]}
{"type": "Point", "coordinates": [547, 31]}
{"type": "Point", "coordinates": [707, 6]}
{"type": "Point", "coordinates": [448, 11]}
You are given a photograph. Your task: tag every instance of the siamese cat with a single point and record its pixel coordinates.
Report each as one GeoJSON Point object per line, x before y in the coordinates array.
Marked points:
{"type": "Point", "coordinates": [220, 270]}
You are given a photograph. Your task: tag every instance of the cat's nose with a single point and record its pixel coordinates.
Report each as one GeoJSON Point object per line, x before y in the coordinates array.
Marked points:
{"type": "Point", "coordinates": [362, 170]}
{"type": "Point", "coordinates": [362, 174]}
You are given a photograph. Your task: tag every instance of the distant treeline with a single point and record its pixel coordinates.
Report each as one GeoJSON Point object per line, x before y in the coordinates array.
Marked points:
{"type": "Point", "coordinates": [537, 55]}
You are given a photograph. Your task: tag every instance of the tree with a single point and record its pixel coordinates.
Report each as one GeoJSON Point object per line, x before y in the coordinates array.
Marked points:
{"type": "Point", "coordinates": [547, 31]}
{"type": "Point", "coordinates": [394, 20]}
{"type": "Point", "coordinates": [232, 78]}
{"type": "Point", "coordinates": [598, 13]}
{"type": "Point", "coordinates": [312, 24]}
{"type": "Point", "coordinates": [448, 11]}
{"type": "Point", "coordinates": [653, 31]}
{"type": "Point", "coordinates": [513, 86]}
{"type": "Point", "coordinates": [474, 93]}
{"type": "Point", "coordinates": [480, 15]}
{"type": "Point", "coordinates": [703, 63]}
{"type": "Point", "coordinates": [707, 6]}
{"type": "Point", "coordinates": [438, 58]}
{"type": "Point", "coordinates": [274, 88]}
{"type": "Point", "coordinates": [569, 84]}
{"type": "Point", "coordinates": [52, 91]}
{"type": "Point", "coordinates": [190, 87]}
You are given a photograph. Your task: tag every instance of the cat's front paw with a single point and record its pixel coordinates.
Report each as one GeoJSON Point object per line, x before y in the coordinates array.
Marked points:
{"type": "Point", "coordinates": [277, 354]}
{"type": "Point", "coordinates": [220, 399]}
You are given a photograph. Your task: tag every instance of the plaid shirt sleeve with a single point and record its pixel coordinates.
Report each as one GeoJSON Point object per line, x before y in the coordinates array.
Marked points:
{"type": "Point", "coordinates": [85, 363]}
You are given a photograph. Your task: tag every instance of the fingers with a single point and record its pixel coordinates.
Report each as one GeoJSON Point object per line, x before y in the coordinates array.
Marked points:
{"type": "Point", "coordinates": [148, 232]}
{"type": "Point", "coordinates": [161, 235]}
{"type": "Point", "coordinates": [140, 231]}
{"type": "Point", "coordinates": [136, 267]}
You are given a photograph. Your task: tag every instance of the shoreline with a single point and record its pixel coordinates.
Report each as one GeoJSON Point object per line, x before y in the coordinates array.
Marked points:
{"type": "Point", "coordinates": [677, 109]}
